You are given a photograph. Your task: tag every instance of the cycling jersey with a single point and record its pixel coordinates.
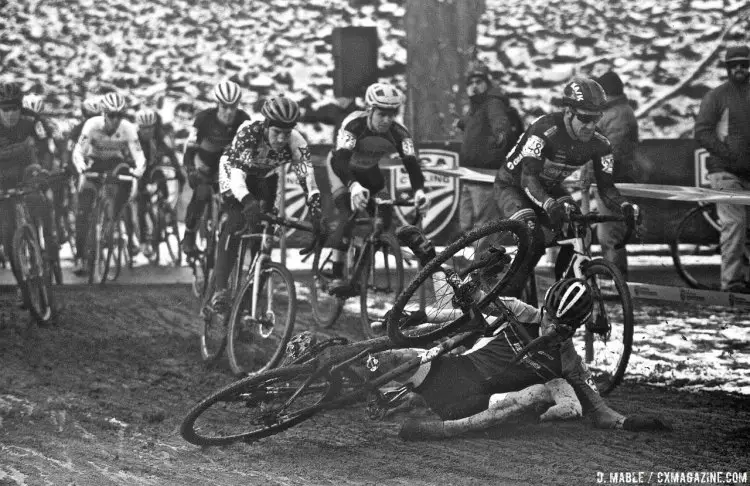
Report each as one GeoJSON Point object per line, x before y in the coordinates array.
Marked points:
{"type": "Point", "coordinates": [96, 144]}
{"type": "Point", "coordinates": [250, 155]}
{"type": "Point", "coordinates": [19, 146]}
{"type": "Point", "coordinates": [546, 154]}
{"type": "Point", "coordinates": [208, 137]}
{"type": "Point", "coordinates": [355, 137]}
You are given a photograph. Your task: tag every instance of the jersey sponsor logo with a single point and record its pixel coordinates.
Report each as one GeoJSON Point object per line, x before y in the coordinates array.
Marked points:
{"type": "Point", "coordinates": [533, 147]}
{"type": "Point", "coordinates": [407, 146]}
{"type": "Point", "coordinates": [608, 164]}
{"type": "Point", "coordinates": [441, 191]}
{"type": "Point", "coordinates": [512, 164]}
{"type": "Point", "coordinates": [577, 91]}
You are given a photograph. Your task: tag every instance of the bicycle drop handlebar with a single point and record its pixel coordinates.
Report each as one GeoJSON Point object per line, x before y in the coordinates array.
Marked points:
{"type": "Point", "coordinates": [593, 218]}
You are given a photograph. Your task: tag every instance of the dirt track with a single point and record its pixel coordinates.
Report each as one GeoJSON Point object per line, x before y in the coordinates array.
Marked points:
{"type": "Point", "coordinates": [98, 400]}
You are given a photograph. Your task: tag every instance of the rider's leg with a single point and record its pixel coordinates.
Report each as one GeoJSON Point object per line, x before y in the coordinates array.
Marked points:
{"type": "Point", "coordinates": [86, 196]}
{"type": "Point", "coordinates": [556, 397]}
{"type": "Point", "coordinates": [202, 194]}
{"type": "Point", "coordinates": [40, 208]}
{"type": "Point", "coordinates": [226, 254]}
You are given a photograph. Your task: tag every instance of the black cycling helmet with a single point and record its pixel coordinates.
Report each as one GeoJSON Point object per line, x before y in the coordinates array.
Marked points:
{"type": "Point", "coordinates": [570, 301]}
{"type": "Point", "coordinates": [584, 94]}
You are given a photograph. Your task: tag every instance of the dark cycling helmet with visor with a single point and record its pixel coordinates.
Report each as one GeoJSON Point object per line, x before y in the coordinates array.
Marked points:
{"type": "Point", "coordinates": [584, 94]}
{"type": "Point", "coordinates": [11, 94]}
{"type": "Point", "coordinates": [569, 303]}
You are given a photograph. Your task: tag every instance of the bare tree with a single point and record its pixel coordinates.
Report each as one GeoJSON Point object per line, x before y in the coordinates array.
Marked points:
{"type": "Point", "coordinates": [440, 40]}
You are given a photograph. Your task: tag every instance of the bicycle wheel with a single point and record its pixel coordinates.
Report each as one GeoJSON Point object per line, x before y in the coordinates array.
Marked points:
{"type": "Point", "coordinates": [198, 265]}
{"type": "Point", "coordinates": [256, 343]}
{"type": "Point", "coordinates": [258, 406]}
{"type": "Point", "coordinates": [35, 286]}
{"type": "Point", "coordinates": [326, 307]}
{"type": "Point", "coordinates": [94, 244]}
{"type": "Point", "coordinates": [606, 343]}
{"type": "Point", "coordinates": [431, 297]}
{"type": "Point", "coordinates": [695, 249]}
{"type": "Point", "coordinates": [381, 280]}
{"type": "Point", "coordinates": [213, 337]}
{"type": "Point", "coordinates": [113, 242]}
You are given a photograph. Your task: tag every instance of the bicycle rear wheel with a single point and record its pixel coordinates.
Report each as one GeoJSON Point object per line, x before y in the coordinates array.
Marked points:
{"type": "Point", "coordinates": [697, 235]}
{"type": "Point", "coordinates": [113, 251]}
{"type": "Point", "coordinates": [606, 343]}
{"type": "Point", "coordinates": [256, 343]}
{"type": "Point", "coordinates": [381, 281]}
{"type": "Point", "coordinates": [431, 297]}
{"type": "Point", "coordinates": [326, 307]}
{"type": "Point", "coordinates": [35, 286]}
{"type": "Point", "coordinates": [258, 406]}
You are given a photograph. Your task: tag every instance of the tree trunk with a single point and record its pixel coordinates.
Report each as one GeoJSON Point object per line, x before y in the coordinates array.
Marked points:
{"type": "Point", "coordinates": [440, 40]}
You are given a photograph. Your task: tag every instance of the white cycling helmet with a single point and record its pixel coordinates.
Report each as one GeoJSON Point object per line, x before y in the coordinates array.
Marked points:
{"type": "Point", "coordinates": [383, 95]}
{"type": "Point", "coordinates": [34, 103]}
{"type": "Point", "coordinates": [146, 117]}
{"type": "Point", "coordinates": [112, 103]}
{"type": "Point", "coordinates": [228, 92]}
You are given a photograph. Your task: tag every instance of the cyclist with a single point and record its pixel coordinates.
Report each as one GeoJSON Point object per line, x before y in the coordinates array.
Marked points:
{"type": "Point", "coordinates": [248, 179]}
{"type": "Point", "coordinates": [22, 137]}
{"type": "Point", "coordinates": [353, 171]}
{"type": "Point", "coordinates": [106, 141]}
{"type": "Point", "coordinates": [528, 186]}
{"type": "Point", "coordinates": [157, 154]}
{"type": "Point", "coordinates": [212, 131]}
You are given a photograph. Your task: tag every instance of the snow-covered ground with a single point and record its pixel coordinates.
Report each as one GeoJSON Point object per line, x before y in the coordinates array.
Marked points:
{"type": "Point", "coordinates": [172, 50]}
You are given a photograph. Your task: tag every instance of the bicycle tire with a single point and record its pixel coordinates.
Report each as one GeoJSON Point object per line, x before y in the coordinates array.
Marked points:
{"type": "Point", "coordinates": [213, 337]}
{"type": "Point", "coordinates": [35, 287]}
{"type": "Point", "coordinates": [411, 337]}
{"type": "Point", "coordinates": [255, 395]}
{"type": "Point", "coordinates": [376, 281]}
{"type": "Point", "coordinates": [261, 348]}
{"type": "Point", "coordinates": [112, 246]}
{"type": "Point", "coordinates": [682, 248]}
{"type": "Point", "coordinates": [326, 307]}
{"type": "Point", "coordinates": [607, 353]}
{"type": "Point", "coordinates": [93, 243]}
{"type": "Point", "coordinates": [200, 277]}
{"type": "Point", "coordinates": [172, 234]}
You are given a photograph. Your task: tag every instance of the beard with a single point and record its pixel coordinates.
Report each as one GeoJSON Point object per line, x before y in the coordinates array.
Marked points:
{"type": "Point", "coordinates": [739, 77]}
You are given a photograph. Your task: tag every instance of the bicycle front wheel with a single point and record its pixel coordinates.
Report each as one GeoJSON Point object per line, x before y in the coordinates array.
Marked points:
{"type": "Point", "coordinates": [114, 238]}
{"type": "Point", "coordinates": [430, 296]}
{"type": "Point", "coordinates": [256, 342]}
{"type": "Point", "coordinates": [258, 406]}
{"type": "Point", "coordinates": [606, 343]}
{"type": "Point", "coordinates": [381, 280]}
{"type": "Point", "coordinates": [696, 251]}
{"type": "Point", "coordinates": [325, 306]}
{"type": "Point", "coordinates": [35, 287]}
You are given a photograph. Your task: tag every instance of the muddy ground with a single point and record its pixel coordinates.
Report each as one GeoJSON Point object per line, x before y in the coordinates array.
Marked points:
{"type": "Point", "coordinates": [99, 398]}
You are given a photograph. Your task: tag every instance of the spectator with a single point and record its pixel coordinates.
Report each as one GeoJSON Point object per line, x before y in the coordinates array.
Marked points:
{"type": "Point", "coordinates": [487, 131]}
{"type": "Point", "coordinates": [332, 114]}
{"type": "Point", "coordinates": [723, 128]}
{"type": "Point", "coordinates": [619, 125]}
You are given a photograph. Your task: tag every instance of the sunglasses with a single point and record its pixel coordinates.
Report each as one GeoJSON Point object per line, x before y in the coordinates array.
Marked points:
{"type": "Point", "coordinates": [116, 115]}
{"type": "Point", "coordinates": [739, 64]}
{"type": "Point", "coordinates": [586, 119]}
{"type": "Point", "coordinates": [13, 107]}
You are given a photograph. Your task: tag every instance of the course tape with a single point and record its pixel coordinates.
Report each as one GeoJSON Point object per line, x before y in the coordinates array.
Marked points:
{"type": "Point", "coordinates": [684, 295]}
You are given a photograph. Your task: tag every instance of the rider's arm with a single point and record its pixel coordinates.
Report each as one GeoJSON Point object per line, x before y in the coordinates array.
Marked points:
{"type": "Point", "coordinates": [136, 151]}
{"type": "Point", "coordinates": [579, 377]}
{"type": "Point", "coordinates": [532, 163]}
{"type": "Point", "coordinates": [302, 164]}
{"type": "Point", "coordinates": [81, 149]}
{"type": "Point", "coordinates": [408, 152]}
{"type": "Point", "coordinates": [230, 164]}
{"type": "Point", "coordinates": [605, 183]}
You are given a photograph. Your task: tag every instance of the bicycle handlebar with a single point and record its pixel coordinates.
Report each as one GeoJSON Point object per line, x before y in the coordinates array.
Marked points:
{"type": "Point", "coordinates": [593, 218]}
{"type": "Point", "coordinates": [108, 177]}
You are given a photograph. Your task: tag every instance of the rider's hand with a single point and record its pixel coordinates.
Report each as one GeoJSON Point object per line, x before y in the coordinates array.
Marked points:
{"type": "Point", "coordinates": [420, 200]}
{"type": "Point", "coordinates": [251, 210]}
{"type": "Point", "coordinates": [631, 212]}
{"type": "Point", "coordinates": [359, 196]}
{"type": "Point", "coordinates": [641, 423]}
{"type": "Point", "coordinates": [557, 212]}
{"type": "Point", "coordinates": [315, 205]}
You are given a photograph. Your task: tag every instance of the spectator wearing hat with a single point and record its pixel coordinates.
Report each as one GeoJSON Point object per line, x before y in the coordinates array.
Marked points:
{"type": "Point", "coordinates": [723, 129]}
{"type": "Point", "coordinates": [489, 134]}
{"type": "Point", "coordinates": [620, 126]}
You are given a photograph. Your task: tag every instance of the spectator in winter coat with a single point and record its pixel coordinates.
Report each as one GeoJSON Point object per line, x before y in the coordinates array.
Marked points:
{"type": "Point", "coordinates": [488, 137]}
{"type": "Point", "coordinates": [723, 128]}
{"type": "Point", "coordinates": [620, 126]}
